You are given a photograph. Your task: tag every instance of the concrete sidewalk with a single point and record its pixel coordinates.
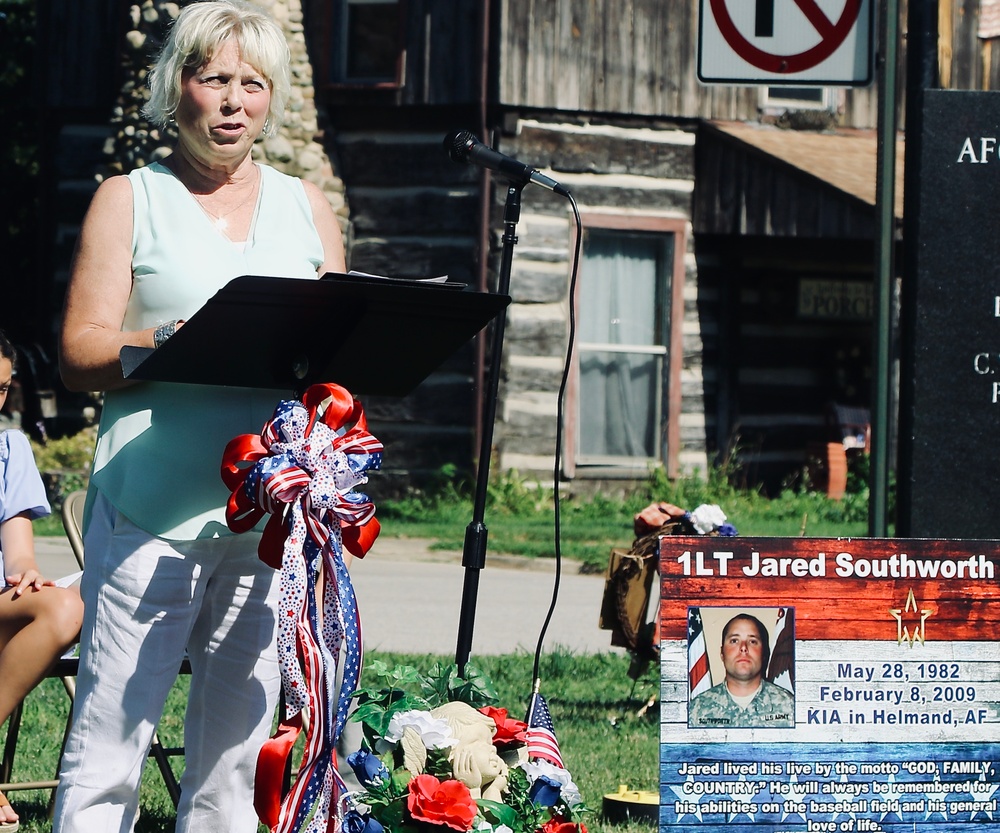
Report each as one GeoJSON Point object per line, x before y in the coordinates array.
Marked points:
{"type": "Point", "coordinates": [410, 600]}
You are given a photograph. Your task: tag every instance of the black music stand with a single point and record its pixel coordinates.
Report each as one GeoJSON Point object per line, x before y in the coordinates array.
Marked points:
{"type": "Point", "coordinates": [378, 336]}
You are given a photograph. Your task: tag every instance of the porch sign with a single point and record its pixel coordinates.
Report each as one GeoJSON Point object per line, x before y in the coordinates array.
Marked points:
{"type": "Point", "coordinates": [888, 648]}
{"type": "Point", "coordinates": [950, 371]}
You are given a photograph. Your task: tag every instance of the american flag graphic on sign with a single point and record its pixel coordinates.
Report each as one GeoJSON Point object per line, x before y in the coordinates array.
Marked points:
{"type": "Point", "coordinates": [699, 677]}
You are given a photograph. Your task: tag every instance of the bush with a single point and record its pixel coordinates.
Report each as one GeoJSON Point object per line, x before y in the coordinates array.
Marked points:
{"type": "Point", "coordinates": [64, 464]}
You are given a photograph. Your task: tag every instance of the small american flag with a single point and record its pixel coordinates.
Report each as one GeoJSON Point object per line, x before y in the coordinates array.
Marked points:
{"type": "Point", "coordinates": [541, 734]}
{"type": "Point", "coordinates": [699, 678]}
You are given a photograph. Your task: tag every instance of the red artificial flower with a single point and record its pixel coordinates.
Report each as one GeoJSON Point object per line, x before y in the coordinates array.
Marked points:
{"type": "Point", "coordinates": [558, 825]}
{"type": "Point", "coordinates": [510, 732]}
{"type": "Point", "coordinates": [441, 802]}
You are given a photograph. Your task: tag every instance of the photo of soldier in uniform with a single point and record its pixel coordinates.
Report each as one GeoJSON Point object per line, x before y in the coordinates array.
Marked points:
{"type": "Point", "coordinates": [756, 683]}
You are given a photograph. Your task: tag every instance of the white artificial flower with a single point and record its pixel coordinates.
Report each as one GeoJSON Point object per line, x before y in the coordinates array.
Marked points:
{"type": "Point", "coordinates": [485, 827]}
{"type": "Point", "coordinates": [569, 791]}
{"type": "Point", "coordinates": [434, 732]}
{"type": "Point", "coordinates": [707, 518]}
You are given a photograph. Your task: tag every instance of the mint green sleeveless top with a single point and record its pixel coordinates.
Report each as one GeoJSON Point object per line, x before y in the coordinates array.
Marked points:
{"type": "Point", "coordinates": [160, 445]}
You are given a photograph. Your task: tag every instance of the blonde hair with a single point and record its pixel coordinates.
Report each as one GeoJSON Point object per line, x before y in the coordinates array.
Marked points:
{"type": "Point", "coordinates": [199, 32]}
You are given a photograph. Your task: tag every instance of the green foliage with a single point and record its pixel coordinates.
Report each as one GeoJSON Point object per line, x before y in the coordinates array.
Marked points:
{"type": "Point", "coordinates": [64, 463]}
{"type": "Point", "coordinates": [520, 814]}
{"type": "Point", "coordinates": [443, 684]}
{"type": "Point", "coordinates": [72, 453]}
{"type": "Point", "coordinates": [403, 687]}
{"type": "Point", "coordinates": [608, 731]}
{"type": "Point", "coordinates": [507, 494]}
{"type": "Point", "coordinates": [520, 516]}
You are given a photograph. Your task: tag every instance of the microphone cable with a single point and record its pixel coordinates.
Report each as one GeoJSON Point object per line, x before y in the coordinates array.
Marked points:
{"type": "Point", "coordinates": [557, 468]}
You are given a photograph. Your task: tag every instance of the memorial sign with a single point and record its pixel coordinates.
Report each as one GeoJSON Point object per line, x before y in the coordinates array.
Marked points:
{"type": "Point", "coordinates": [879, 708]}
{"type": "Point", "coordinates": [948, 482]}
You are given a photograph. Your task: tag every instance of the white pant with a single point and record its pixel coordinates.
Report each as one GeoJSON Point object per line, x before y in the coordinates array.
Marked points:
{"type": "Point", "coordinates": [145, 600]}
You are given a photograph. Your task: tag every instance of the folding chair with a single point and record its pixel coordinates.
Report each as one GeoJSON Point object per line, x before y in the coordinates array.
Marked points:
{"type": "Point", "coordinates": [66, 669]}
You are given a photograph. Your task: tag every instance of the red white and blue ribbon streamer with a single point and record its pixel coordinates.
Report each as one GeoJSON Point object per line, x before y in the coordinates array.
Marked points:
{"type": "Point", "coordinates": [302, 470]}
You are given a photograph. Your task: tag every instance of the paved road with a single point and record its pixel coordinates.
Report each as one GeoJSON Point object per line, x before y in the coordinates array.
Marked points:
{"type": "Point", "coordinates": [410, 600]}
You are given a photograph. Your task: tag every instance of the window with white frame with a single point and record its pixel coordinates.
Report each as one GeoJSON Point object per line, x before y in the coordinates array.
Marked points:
{"type": "Point", "coordinates": [624, 318]}
{"type": "Point", "coordinates": [797, 98]}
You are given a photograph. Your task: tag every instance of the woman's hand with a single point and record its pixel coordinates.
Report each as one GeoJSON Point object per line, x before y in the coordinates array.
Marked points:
{"type": "Point", "coordinates": [29, 579]}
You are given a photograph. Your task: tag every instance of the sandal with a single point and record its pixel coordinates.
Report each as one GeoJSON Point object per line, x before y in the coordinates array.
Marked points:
{"type": "Point", "coordinates": [7, 826]}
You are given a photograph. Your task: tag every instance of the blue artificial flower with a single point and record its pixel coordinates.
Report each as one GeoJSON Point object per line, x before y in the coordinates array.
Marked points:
{"type": "Point", "coordinates": [728, 531]}
{"type": "Point", "coordinates": [367, 767]}
{"type": "Point", "coordinates": [545, 791]}
{"type": "Point", "coordinates": [354, 822]}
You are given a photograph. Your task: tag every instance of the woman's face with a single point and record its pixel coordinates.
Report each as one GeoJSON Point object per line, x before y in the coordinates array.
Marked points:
{"type": "Point", "coordinates": [6, 374]}
{"type": "Point", "coordinates": [222, 108]}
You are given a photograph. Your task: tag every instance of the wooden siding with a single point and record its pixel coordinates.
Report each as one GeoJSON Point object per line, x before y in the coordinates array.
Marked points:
{"type": "Point", "coordinates": [640, 57]}
{"type": "Point", "coordinates": [745, 191]}
{"type": "Point", "coordinates": [968, 54]}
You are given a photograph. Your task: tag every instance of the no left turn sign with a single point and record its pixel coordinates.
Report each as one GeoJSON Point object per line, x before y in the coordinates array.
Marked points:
{"type": "Point", "coordinates": [786, 42]}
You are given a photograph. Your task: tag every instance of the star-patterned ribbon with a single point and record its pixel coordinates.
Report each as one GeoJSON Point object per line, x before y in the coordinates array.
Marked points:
{"type": "Point", "coordinates": [302, 470]}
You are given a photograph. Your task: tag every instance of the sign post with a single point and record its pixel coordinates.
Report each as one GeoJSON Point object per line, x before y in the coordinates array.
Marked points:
{"type": "Point", "coordinates": [786, 42]}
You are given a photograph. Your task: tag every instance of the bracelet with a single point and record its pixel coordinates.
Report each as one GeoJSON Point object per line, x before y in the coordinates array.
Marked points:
{"type": "Point", "coordinates": [164, 331]}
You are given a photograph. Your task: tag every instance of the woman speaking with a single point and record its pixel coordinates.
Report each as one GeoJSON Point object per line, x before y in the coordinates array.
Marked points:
{"type": "Point", "coordinates": [163, 572]}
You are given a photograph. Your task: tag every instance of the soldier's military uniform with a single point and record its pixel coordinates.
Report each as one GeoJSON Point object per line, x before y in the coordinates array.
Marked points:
{"type": "Point", "coordinates": [773, 707]}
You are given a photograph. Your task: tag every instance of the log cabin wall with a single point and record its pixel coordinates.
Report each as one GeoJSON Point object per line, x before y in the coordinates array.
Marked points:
{"type": "Point", "coordinates": [622, 175]}
{"type": "Point", "coordinates": [414, 214]}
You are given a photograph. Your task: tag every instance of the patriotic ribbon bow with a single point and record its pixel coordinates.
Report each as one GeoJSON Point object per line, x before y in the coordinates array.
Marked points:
{"type": "Point", "coordinates": [301, 470]}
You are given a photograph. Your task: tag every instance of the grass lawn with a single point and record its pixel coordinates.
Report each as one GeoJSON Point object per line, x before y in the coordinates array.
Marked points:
{"type": "Point", "coordinates": [607, 733]}
{"type": "Point", "coordinates": [589, 529]}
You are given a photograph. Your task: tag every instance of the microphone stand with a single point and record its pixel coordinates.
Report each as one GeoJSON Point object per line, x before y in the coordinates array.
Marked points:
{"type": "Point", "coordinates": [474, 552]}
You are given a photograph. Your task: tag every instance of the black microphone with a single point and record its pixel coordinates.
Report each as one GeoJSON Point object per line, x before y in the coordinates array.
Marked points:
{"type": "Point", "coordinates": [463, 146]}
